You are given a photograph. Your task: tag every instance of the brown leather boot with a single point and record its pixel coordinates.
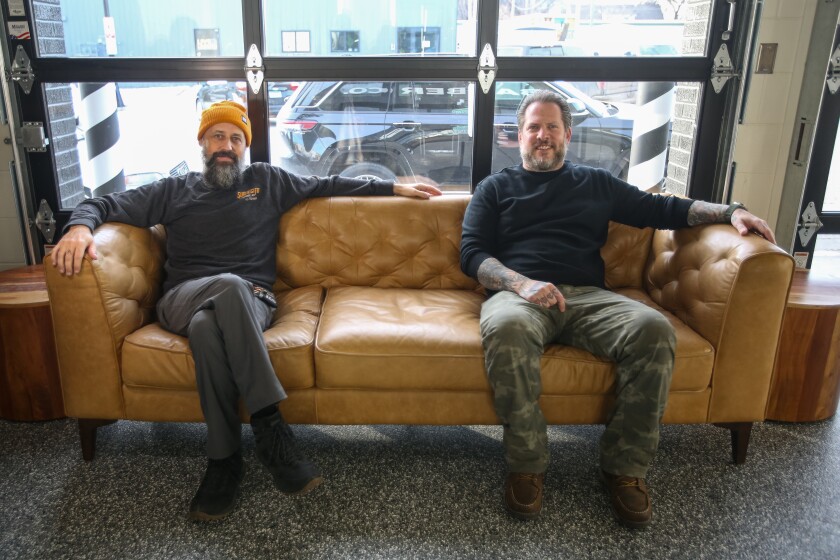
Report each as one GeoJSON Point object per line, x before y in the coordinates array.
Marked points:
{"type": "Point", "coordinates": [629, 499]}
{"type": "Point", "coordinates": [524, 494]}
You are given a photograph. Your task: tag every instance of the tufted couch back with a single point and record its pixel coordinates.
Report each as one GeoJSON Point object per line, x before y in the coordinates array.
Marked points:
{"type": "Point", "coordinates": [383, 242]}
{"type": "Point", "coordinates": [396, 242]}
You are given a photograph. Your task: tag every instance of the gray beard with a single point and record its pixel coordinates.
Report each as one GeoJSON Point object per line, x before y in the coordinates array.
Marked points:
{"type": "Point", "coordinates": [221, 177]}
{"type": "Point", "coordinates": [534, 163]}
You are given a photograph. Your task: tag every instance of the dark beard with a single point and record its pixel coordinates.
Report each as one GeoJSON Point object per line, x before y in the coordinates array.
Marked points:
{"type": "Point", "coordinates": [534, 162]}
{"type": "Point", "coordinates": [221, 176]}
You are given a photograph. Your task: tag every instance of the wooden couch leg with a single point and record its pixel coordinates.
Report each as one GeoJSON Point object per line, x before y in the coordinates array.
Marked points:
{"type": "Point", "coordinates": [740, 439]}
{"type": "Point", "coordinates": [87, 435]}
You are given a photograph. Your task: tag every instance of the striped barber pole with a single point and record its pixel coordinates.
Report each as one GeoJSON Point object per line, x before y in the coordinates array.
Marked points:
{"type": "Point", "coordinates": [102, 134]}
{"type": "Point", "coordinates": [648, 156]}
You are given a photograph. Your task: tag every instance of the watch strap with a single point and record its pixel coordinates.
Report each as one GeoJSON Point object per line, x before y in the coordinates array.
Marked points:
{"type": "Point", "coordinates": [727, 214]}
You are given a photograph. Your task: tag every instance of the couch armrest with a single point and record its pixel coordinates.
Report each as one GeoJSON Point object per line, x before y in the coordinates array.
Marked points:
{"type": "Point", "coordinates": [96, 309]}
{"type": "Point", "coordinates": [732, 290]}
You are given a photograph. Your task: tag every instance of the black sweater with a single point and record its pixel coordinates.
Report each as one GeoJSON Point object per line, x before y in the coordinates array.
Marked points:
{"type": "Point", "coordinates": [550, 226]}
{"type": "Point", "coordinates": [209, 231]}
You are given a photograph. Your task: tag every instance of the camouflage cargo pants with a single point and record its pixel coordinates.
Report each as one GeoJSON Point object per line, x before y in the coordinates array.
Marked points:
{"type": "Point", "coordinates": [640, 340]}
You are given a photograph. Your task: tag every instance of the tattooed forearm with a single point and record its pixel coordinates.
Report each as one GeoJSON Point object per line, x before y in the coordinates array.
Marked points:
{"type": "Point", "coordinates": [706, 213]}
{"type": "Point", "coordinates": [493, 275]}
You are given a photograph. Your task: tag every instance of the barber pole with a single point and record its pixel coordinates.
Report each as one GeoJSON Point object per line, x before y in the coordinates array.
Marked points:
{"type": "Point", "coordinates": [99, 120]}
{"type": "Point", "coordinates": [648, 156]}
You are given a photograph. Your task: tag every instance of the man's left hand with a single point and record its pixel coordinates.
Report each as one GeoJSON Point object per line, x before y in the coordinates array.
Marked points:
{"type": "Point", "coordinates": [745, 223]}
{"type": "Point", "coordinates": [416, 190]}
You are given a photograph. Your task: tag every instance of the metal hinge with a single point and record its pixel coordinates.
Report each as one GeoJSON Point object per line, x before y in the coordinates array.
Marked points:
{"type": "Point", "coordinates": [809, 225]}
{"type": "Point", "coordinates": [32, 137]}
{"type": "Point", "coordinates": [833, 78]}
{"type": "Point", "coordinates": [22, 72]}
{"type": "Point", "coordinates": [486, 68]}
{"type": "Point", "coordinates": [722, 68]}
{"type": "Point", "coordinates": [254, 69]}
{"type": "Point", "coordinates": [45, 221]}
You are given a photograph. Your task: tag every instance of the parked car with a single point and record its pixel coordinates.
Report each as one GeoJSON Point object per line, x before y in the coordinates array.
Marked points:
{"type": "Point", "coordinates": [278, 94]}
{"type": "Point", "coordinates": [215, 91]}
{"type": "Point", "coordinates": [420, 129]}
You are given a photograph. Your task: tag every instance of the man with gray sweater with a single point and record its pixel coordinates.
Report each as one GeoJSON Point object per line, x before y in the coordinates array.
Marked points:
{"type": "Point", "coordinates": [221, 234]}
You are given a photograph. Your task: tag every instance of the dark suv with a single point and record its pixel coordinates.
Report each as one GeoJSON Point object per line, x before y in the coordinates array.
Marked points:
{"type": "Point", "coordinates": [421, 130]}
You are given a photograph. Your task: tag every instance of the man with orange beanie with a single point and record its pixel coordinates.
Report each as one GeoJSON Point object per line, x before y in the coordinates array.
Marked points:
{"type": "Point", "coordinates": [222, 231]}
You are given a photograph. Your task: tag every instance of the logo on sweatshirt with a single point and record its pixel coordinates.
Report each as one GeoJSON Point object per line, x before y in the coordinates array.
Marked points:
{"type": "Point", "coordinates": [250, 194]}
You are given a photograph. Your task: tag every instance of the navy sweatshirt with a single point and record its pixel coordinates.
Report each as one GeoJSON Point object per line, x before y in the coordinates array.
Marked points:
{"type": "Point", "coordinates": [550, 226]}
{"type": "Point", "coordinates": [210, 231]}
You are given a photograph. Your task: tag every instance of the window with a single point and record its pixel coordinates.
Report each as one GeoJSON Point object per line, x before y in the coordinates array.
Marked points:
{"type": "Point", "coordinates": [390, 27]}
{"type": "Point", "coordinates": [295, 41]}
{"type": "Point", "coordinates": [408, 103]}
{"type": "Point", "coordinates": [148, 29]}
{"type": "Point", "coordinates": [102, 136]}
{"type": "Point", "coordinates": [344, 41]}
{"type": "Point", "coordinates": [418, 40]}
{"type": "Point", "coordinates": [410, 130]}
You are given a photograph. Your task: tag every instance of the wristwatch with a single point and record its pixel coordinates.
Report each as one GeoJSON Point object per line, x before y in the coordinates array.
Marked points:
{"type": "Point", "coordinates": [727, 215]}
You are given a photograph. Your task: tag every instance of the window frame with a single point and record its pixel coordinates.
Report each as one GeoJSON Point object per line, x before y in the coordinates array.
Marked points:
{"type": "Point", "coordinates": [40, 171]}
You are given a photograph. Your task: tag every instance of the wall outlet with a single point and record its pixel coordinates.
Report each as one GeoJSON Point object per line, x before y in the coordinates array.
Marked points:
{"type": "Point", "coordinates": [801, 259]}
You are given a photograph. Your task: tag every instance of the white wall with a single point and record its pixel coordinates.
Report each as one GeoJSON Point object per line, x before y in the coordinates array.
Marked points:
{"type": "Point", "coordinates": [762, 144]}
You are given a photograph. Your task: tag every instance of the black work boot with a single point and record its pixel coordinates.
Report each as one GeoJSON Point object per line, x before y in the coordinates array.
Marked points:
{"type": "Point", "coordinates": [278, 451]}
{"type": "Point", "coordinates": [219, 489]}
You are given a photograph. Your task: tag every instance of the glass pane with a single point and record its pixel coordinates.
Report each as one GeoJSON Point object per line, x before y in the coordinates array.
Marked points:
{"type": "Point", "coordinates": [601, 28]}
{"type": "Point", "coordinates": [370, 27]}
{"type": "Point", "coordinates": [108, 137]}
{"type": "Point", "coordinates": [826, 260]}
{"type": "Point", "coordinates": [411, 130]}
{"type": "Point", "coordinates": [832, 188]}
{"type": "Point", "coordinates": [637, 139]}
{"type": "Point", "coordinates": [152, 28]}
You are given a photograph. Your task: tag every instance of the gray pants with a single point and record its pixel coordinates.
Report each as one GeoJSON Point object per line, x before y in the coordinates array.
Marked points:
{"type": "Point", "coordinates": [637, 338]}
{"type": "Point", "coordinates": [224, 321]}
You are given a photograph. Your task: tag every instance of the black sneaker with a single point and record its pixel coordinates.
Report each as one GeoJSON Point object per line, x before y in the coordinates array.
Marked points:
{"type": "Point", "coordinates": [278, 451]}
{"type": "Point", "coordinates": [217, 494]}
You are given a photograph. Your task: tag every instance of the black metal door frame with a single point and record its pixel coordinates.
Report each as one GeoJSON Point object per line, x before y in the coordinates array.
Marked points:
{"type": "Point", "coordinates": [32, 107]}
{"type": "Point", "coordinates": [819, 165]}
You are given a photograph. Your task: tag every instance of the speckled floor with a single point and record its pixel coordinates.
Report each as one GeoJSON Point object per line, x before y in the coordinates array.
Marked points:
{"type": "Point", "coordinates": [415, 492]}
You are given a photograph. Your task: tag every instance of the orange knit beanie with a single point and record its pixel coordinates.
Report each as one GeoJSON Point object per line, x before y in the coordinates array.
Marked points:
{"type": "Point", "coordinates": [228, 112]}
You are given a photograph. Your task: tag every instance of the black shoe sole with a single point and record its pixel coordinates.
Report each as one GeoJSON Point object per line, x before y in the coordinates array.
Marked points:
{"type": "Point", "coordinates": [205, 517]}
{"type": "Point", "coordinates": [199, 515]}
{"type": "Point", "coordinates": [311, 485]}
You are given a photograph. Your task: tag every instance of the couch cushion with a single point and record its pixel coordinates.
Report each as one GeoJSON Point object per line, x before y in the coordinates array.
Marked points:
{"type": "Point", "coordinates": [154, 357]}
{"type": "Point", "coordinates": [401, 339]}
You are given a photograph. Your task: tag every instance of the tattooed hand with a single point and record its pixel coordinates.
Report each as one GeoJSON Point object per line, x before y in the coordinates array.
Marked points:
{"type": "Point", "coordinates": [544, 294]}
{"type": "Point", "coordinates": [701, 212]}
{"type": "Point", "coordinates": [745, 223]}
{"type": "Point", "coordinates": [495, 276]}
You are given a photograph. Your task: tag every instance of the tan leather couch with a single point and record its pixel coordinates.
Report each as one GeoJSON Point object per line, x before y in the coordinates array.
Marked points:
{"type": "Point", "coordinates": [376, 323]}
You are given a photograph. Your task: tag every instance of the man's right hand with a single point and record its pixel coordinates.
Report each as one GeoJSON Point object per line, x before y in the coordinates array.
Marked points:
{"type": "Point", "coordinates": [544, 294]}
{"type": "Point", "coordinates": [68, 253]}
{"type": "Point", "coordinates": [495, 276]}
